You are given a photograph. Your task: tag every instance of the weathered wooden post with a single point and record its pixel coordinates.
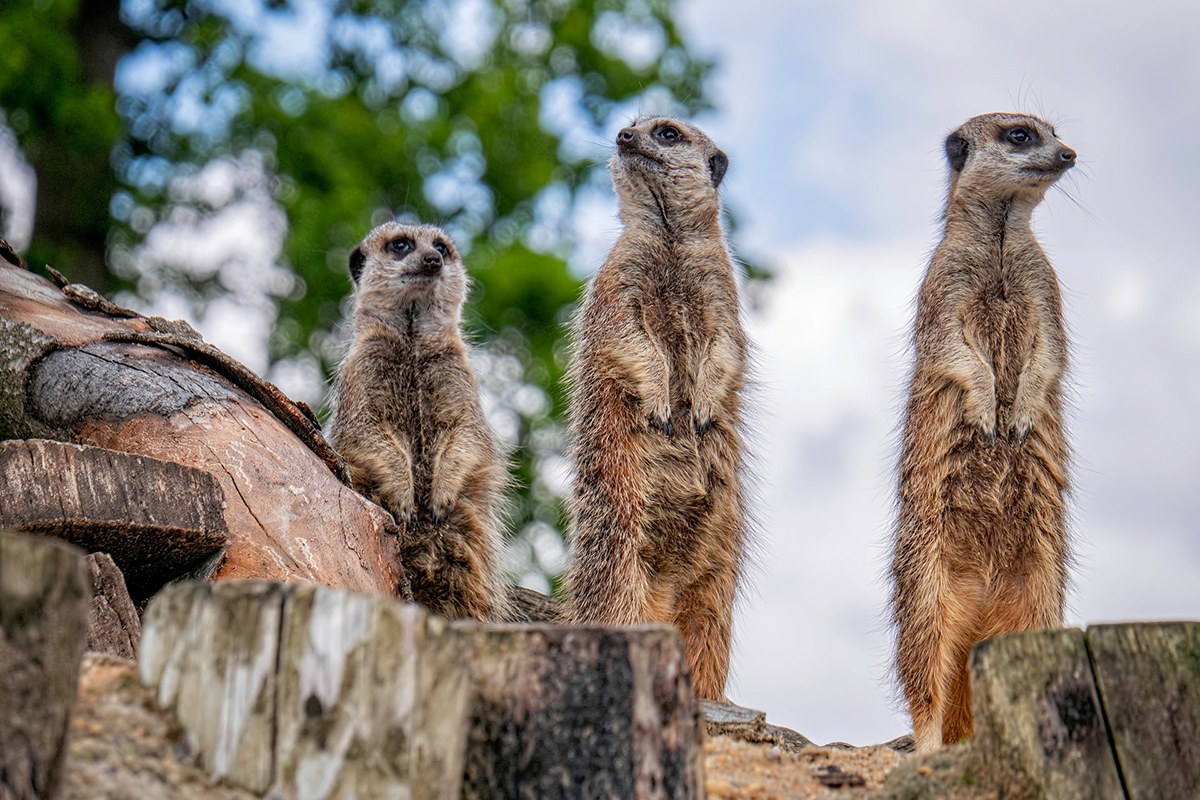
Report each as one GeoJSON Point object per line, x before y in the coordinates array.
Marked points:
{"type": "Point", "coordinates": [560, 712]}
{"type": "Point", "coordinates": [310, 692]}
{"type": "Point", "coordinates": [1149, 679]}
{"type": "Point", "coordinates": [1039, 726]}
{"type": "Point", "coordinates": [44, 596]}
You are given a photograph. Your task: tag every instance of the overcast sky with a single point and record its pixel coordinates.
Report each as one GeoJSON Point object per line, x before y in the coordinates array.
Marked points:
{"type": "Point", "coordinates": [833, 115]}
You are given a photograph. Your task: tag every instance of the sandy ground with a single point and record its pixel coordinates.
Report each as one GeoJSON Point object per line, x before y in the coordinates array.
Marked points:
{"type": "Point", "coordinates": [742, 771]}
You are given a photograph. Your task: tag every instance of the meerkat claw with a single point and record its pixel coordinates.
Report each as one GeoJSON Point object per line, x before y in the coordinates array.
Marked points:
{"type": "Point", "coordinates": [663, 425]}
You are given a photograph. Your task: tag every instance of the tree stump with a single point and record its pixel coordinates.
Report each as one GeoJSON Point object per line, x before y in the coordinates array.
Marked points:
{"type": "Point", "coordinates": [44, 597]}
{"type": "Point", "coordinates": [561, 712]}
{"type": "Point", "coordinates": [113, 623]}
{"type": "Point", "coordinates": [1039, 725]}
{"type": "Point", "coordinates": [1149, 679]}
{"type": "Point", "coordinates": [308, 691]}
{"type": "Point", "coordinates": [156, 519]}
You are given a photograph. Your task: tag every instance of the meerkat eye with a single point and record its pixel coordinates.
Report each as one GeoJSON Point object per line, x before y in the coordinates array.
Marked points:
{"type": "Point", "coordinates": [441, 247]}
{"type": "Point", "coordinates": [400, 247]}
{"type": "Point", "coordinates": [1019, 136]}
{"type": "Point", "coordinates": [668, 133]}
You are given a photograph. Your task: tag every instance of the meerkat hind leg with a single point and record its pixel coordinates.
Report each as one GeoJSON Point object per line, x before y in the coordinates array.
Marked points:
{"type": "Point", "coordinates": [937, 648]}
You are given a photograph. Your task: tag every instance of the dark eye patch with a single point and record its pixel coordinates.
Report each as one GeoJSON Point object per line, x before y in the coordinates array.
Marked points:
{"type": "Point", "coordinates": [400, 246]}
{"type": "Point", "coordinates": [442, 248]}
{"type": "Point", "coordinates": [1021, 136]}
{"type": "Point", "coordinates": [669, 134]}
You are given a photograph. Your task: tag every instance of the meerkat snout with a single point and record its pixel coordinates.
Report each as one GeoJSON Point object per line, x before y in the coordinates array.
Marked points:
{"type": "Point", "coordinates": [431, 263]}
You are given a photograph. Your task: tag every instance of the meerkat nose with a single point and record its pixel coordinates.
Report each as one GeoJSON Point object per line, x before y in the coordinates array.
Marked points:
{"type": "Point", "coordinates": [432, 262]}
{"type": "Point", "coordinates": [1067, 155]}
{"type": "Point", "coordinates": [626, 136]}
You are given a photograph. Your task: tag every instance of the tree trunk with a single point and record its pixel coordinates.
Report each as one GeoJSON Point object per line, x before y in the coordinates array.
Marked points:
{"type": "Point", "coordinates": [44, 598]}
{"type": "Point", "coordinates": [288, 516]}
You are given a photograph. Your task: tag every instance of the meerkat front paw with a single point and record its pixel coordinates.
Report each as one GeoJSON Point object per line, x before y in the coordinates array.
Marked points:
{"type": "Point", "coordinates": [702, 419]}
{"type": "Point", "coordinates": [658, 417]}
{"type": "Point", "coordinates": [440, 506]}
{"type": "Point", "coordinates": [1021, 423]}
{"type": "Point", "coordinates": [985, 420]}
{"type": "Point", "coordinates": [403, 507]}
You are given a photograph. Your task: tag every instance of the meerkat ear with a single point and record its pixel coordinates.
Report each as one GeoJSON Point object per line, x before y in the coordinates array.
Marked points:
{"type": "Point", "coordinates": [718, 162]}
{"type": "Point", "coordinates": [357, 262]}
{"type": "Point", "coordinates": [956, 151]}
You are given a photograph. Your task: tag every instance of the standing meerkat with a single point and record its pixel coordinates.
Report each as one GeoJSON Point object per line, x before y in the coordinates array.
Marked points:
{"type": "Point", "coordinates": [981, 542]}
{"type": "Point", "coordinates": [407, 419]}
{"type": "Point", "coordinates": [656, 376]}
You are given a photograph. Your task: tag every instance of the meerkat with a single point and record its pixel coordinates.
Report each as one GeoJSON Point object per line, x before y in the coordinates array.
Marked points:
{"type": "Point", "coordinates": [408, 420]}
{"type": "Point", "coordinates": [656, 377]}
{"type": "Point", "coordinates": [981, 542]}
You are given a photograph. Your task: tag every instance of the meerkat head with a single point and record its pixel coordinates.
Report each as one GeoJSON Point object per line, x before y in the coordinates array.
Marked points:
{"type": "Point", "coordinates": [1006, 155]}
{"type": "Point", "coordinates": [408, 268]}
{"type": "Point", "coordinates": [662, 161]}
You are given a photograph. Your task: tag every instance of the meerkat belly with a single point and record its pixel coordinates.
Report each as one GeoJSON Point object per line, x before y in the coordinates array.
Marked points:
{"type": "Point", "coordinates": [679, 331]}
{"type": "Point", "coordinates": [413, 413]}
{"type": "Point", "coordinates": [1001, 317]}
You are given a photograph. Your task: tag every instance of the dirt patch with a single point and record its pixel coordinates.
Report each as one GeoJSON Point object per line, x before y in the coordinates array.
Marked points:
{"type": "Point", "coordinates": [737, 770]}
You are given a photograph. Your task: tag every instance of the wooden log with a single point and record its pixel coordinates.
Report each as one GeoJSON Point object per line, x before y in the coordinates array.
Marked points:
{"type": "Point", "coordinates": [565, 712]}
{"type": "Point", "coordinates": [155, 519]}
{"type": "Point", "coordinates": [211, 650]}
{"type": "Point", "coordinates": [44, 596]}
{"type": "Point", "coordinates": [311, 692]}
{"type": "Point", "coordinates": [289, 517]}
{"type": "Point", "coordinates": [113, 623]}
{"type": "Point", "coordinates": [1039, 726]}
{"type": "Point", "coordinates": [372, 699]}
{"type": "Point", "coordinates": [1149, 679]}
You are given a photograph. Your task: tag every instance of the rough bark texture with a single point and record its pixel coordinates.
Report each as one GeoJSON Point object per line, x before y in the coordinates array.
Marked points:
{"type": "Point", "coordinates": [157, 520]}
{"type": "Point", "coordinates": [1149, 679]}
{"type": "Point", "coordinates": [288, 516]}
{"type": "Point", "coordinates": [1039, 725]}
{"type": "Point", "coordinates": [44, 597]}
{"type": "Point", "coordinates": [308, 691]}
{"type": "Point", "coordinates": [569, 712]}
{"type": "Point", "coordinates": [113, 623]}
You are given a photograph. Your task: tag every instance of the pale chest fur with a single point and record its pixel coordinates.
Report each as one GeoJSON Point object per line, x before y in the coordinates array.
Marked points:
{"type": "Point", "coordinates": [1006, 295]}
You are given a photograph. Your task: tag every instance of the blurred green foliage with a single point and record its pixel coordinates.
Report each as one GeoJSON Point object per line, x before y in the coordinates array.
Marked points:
{"type": "Point", "coordinates": [362, 109]}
